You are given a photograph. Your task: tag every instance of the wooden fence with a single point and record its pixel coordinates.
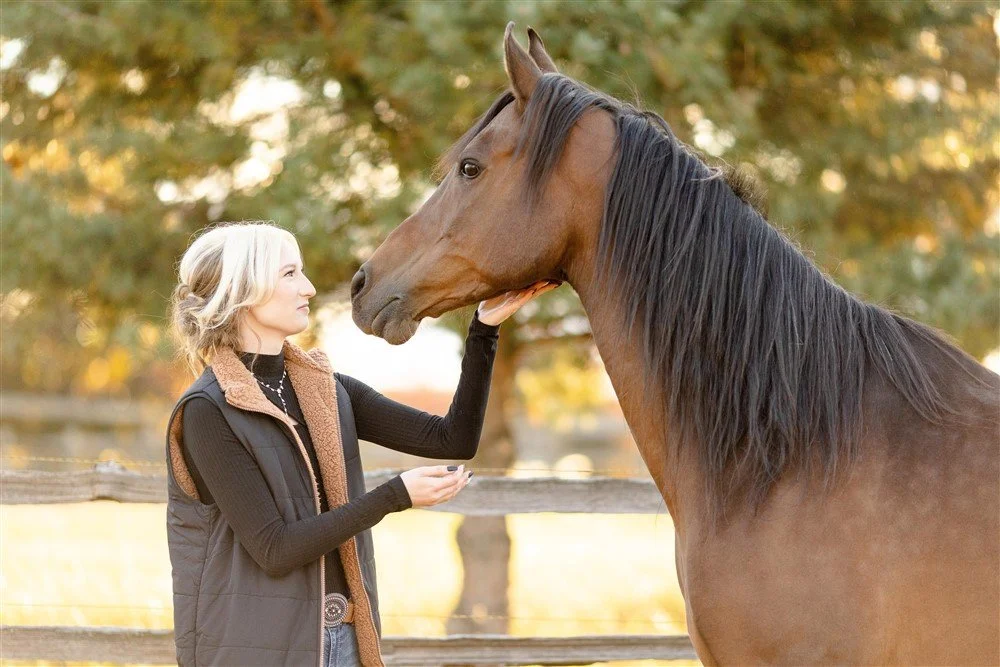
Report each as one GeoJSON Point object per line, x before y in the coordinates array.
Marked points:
{"type": "Point", "coordinates": [486, 496]}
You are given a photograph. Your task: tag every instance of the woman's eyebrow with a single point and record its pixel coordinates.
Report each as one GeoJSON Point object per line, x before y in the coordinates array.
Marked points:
{"type": "Point", "coordinates": [288, 265]}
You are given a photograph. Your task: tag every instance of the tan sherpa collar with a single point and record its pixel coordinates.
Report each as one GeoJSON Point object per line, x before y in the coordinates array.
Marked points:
{"type": "Point", "coordinates": [243, 391]}
{"type": "Point", "coordinates": [316, 389]}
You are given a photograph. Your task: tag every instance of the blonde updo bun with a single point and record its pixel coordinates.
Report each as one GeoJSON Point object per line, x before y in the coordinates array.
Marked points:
{"type": "Point", "coordinates": [227, 269]}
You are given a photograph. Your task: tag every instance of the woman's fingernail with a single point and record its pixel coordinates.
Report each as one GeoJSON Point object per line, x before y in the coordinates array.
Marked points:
{"type": "Point", "coordinates": [471, 474]}
{"type": "Point", "coordinates": [452, 468]}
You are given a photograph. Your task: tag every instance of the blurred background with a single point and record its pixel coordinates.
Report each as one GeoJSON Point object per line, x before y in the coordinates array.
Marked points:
{"type": "Point", "coordinates": [127, 126]}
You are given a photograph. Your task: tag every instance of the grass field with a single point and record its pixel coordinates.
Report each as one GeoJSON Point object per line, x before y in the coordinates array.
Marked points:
{"type": "Point", "coordinates": [105, 563]}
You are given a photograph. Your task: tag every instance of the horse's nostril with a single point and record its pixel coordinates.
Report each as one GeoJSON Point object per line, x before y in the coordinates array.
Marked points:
{"type": "Point", "coordinates": [358, 282]}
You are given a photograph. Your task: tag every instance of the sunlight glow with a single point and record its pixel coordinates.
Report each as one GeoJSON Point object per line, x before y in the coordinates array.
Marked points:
{"type": "Point", "coordinates": [429, 360]}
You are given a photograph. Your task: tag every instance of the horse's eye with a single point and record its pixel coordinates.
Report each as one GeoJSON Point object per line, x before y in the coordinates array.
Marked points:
{"type": "Point", "coordinates": [469, 169]}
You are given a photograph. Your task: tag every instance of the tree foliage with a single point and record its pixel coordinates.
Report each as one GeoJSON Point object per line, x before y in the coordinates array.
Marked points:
{"type": "Point", "coordinates": [128, 126]}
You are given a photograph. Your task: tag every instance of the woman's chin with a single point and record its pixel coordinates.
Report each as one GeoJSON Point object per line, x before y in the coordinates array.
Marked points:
{"type": "Point", "coordinates": [300, 324]}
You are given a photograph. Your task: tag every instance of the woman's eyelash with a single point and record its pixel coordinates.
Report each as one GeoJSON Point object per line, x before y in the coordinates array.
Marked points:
{"type": "Point", "coordinates": [289, 273]}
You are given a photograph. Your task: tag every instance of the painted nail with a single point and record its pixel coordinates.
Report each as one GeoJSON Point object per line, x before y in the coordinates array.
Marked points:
{"type": "Point", "coordinates": [452, 468]}
{"type": "Point", "coordinates": [471, 474]}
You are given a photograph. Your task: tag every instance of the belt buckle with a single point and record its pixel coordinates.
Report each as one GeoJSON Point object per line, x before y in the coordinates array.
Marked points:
{"type": "Point", "coordinates": [334, 609]}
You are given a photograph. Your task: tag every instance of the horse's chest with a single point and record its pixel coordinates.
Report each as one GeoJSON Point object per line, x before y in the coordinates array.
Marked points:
{"type": "Point", "coordinates": [772, 595]}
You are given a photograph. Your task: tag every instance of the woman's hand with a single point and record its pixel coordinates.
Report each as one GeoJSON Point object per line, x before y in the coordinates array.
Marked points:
{"type": "Point", "coordinates": [496, 310]}
{"type": "Point", "coordinates": [431, 485]}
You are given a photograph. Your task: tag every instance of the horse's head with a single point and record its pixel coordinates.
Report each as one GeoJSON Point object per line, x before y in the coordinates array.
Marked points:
{"type": "Point", "coordinates": [492, 225]}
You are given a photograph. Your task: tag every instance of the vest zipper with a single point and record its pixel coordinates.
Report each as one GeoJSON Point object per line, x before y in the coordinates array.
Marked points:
{"type": "Point", "coordinates": [322, 559]}
{"type": "Point", "coordinates": [278, 415]}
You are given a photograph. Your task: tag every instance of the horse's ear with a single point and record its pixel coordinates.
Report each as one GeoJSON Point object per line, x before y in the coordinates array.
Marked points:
{"type": "Point", "coordinates": [521, 69]}
{"type": "Point", "coordinates": [536, 47]}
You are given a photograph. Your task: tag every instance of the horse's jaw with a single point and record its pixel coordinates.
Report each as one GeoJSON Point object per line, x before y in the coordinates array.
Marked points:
{"type": "Point", "coordinates": [397, 320]}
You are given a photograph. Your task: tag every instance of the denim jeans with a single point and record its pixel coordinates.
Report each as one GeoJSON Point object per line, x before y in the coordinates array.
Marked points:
{"type": "Point", "coordinates": [340, 646]}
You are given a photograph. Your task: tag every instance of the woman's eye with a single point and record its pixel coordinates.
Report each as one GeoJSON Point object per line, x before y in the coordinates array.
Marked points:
{"type": "Point", "coordinates": [291, 273]}
{"type": "Point", "coordinates": [469, 169]}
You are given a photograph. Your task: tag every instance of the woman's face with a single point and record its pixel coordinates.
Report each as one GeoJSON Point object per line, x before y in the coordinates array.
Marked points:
{"type": "Point", "coordinates": [287, 311]}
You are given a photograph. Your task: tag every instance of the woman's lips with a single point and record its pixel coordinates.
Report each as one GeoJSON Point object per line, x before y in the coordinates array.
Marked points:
{"type": "Point", "coordinates": [304, 308]}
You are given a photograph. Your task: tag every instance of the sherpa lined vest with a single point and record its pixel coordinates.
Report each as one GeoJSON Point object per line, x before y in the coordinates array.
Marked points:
{"type": "Point", "coordinates": [227, 610]}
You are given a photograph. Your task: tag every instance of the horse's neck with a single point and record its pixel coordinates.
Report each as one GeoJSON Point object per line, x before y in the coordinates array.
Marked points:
{"type": "Point", "coordinates": [644, 405]}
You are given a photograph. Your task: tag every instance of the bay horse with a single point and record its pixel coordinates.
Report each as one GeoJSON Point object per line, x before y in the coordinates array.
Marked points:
{"type": "Point", "coordinates": [832, 468]}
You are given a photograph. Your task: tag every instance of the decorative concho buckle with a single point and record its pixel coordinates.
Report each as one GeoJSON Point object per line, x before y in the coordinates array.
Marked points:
{"type": "Point", "coordinates": [334, 609]}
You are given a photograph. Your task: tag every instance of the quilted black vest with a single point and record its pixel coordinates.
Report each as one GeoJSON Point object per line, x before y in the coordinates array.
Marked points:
{"type": "Point", "coordinates": [227, 610]}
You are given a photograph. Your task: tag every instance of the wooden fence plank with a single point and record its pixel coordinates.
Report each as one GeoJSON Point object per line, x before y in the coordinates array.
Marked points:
{"type": "Point", "coordinates": [115, 645]}
{"type": "Point", "coordinates": [126, 645]}
{"type": "Point", "coordinates": [472, 649]}
{"type": "Point", "coordinates": [103, 482]}
{"type": "Point", "coordinates": [27, 407]}
{"type": "Point", "coordinates": [485, 496]}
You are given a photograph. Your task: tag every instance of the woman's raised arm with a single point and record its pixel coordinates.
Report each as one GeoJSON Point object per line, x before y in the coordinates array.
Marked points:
{"type": "Point", "coordinates": [454, 436]}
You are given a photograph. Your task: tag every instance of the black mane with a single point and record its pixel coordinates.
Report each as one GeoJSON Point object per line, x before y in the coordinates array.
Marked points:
{"type": "Point", "coordinates": [763, 359]}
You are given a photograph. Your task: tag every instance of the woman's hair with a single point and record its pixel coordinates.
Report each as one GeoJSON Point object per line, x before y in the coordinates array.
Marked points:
{"type": "Point", "coordinates": [226, 270]}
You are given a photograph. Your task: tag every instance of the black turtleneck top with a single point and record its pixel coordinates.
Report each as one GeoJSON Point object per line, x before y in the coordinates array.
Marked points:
{"type": "Point", "coordinates": [225, 473]}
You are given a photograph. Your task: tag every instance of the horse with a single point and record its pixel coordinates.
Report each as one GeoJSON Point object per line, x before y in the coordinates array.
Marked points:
{"type": "Point", "coordinates": [832, 468]}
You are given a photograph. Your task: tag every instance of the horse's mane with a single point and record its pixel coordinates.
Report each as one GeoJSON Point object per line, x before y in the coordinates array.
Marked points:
{"type": "Point", "coordinates": [763, 359]}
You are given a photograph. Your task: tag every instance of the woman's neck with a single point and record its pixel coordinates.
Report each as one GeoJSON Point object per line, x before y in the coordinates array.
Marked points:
{"type": "Point", "coordinates": [260, 339]}
{"type": "Point", "coordinates": [262, 345]}
{"type": "Point", "coordinates": [264, 366]}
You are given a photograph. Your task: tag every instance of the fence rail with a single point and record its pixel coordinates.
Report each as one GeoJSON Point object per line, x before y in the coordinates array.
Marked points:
{"type": "Point", "coordinates": [485, 496]}
{"type": "Point", "coordinates": [124, 645]}
{"type": "Point", "coordinates": [18, 406]}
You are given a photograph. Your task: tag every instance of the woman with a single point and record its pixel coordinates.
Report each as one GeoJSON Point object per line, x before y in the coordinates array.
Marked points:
{"type": "Point", "coordinates": [268, 521]}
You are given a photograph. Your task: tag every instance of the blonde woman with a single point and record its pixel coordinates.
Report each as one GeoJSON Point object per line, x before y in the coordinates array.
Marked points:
{"type": "Point", "coordinates": [268, 519]}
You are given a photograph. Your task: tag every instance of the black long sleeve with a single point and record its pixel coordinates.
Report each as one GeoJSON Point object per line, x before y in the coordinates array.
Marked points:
{"type": "Point", "coordinates": [225, 472]}
{"type": "Point", "coordinates": [456, 435]}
